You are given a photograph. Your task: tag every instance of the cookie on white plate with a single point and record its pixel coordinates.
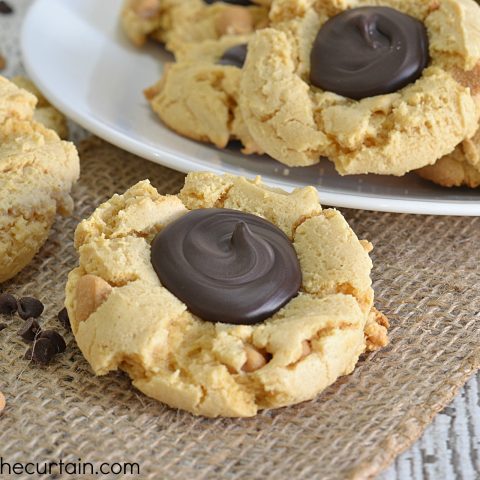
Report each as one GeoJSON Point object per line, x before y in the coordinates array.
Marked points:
{"type": "Point", "coordinates": [45, 113]}
{"type": "Point", "coordinates": [177, 23]}
{"type": "Point", "coordinates": [375, 88]}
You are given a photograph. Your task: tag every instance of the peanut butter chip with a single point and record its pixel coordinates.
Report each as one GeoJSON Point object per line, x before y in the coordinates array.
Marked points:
{"type": "Point", "coordinates": [147, 8]}
{"type": "Point", "coordinates": [255, 360]}
{"type": "Point", "coordinates": [470, 79]}
{"type": "Point", "coordinates": [92, 291]}
{"type": "Point", "coordinates": [306, 348]}
{"type": "Point", "coordinates": [234, 21]}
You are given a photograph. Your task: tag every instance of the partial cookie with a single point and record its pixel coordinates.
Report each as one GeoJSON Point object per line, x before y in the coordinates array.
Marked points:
{"type": "Point", "coordinates": [177, 23]}
{"type": "Point", "coordinates": [198, 96]}
{"type": "Point", "coordinates": [459, 168]}
{"type": "Point", "coordinates": [37, 171]}
{"type": "Point", "coordinates": [14, 102]}
{"type": "Point", "coordinates": [124, 317]}
{"type": "Point", "coordinates": [45, 113]}
{"type": "Point", "coordinates": [422, 114]}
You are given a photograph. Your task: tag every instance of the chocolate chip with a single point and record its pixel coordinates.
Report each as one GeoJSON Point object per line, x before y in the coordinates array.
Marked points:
{"type": "Point", "coordinates": [30, 330]}
{"type": "Point", "coordinates": [63, 318]}
{"type": "Point", "coordinates": [234, 56]}
{"type": "Point", "coordinates": [3, 62]}
{"type": "Point", "coordinates": [8, 304]}
{"type": "Point", "coordinates": [5, 8]}
{"type": "Point", "coordinates": [56, 339]}
{"type": "Point", "coordinates": [42, 351]}
{"type": "Point", "coordinates": [3, 326]}
{"type": "Point", "coordinates": [29, 307]}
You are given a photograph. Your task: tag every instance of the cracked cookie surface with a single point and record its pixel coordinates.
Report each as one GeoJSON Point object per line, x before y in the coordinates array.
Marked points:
{"type": "Point", "coordinates": [37, 171]}
{"type": "Point", "coordinates": [197, 97]}
{"type": "Point", "coordinates": [179, 22]}
{"type": "Point", "coordinates": [123, 318]}
{"type": "Point", "coordinates": [297, 123]}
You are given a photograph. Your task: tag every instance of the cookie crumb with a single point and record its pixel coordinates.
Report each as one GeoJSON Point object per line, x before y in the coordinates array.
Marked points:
{"type": "Point", "coordinates": [3, 402]}
{"type": "Point", "coordinates": [29, 307]}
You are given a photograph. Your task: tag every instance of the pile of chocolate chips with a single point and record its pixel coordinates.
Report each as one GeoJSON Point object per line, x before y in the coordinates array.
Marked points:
{"type": "Point", "coordinates": [45, 344]}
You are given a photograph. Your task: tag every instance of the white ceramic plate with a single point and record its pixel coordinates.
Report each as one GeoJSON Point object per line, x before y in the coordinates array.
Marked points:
{"type": "Point", "coordinates": [78, 56]}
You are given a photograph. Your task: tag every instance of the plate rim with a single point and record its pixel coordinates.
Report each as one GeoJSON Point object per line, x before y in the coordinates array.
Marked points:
{"type": "Point", "coordinates": [171, 160]}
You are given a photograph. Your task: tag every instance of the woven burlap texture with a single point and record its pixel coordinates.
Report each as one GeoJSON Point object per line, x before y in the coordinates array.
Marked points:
{"type": "Point", "coordinates": [426, 280]}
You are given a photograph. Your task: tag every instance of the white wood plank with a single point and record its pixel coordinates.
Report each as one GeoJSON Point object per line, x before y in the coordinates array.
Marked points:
{"type": "Point", "coordinates": [450, 447]}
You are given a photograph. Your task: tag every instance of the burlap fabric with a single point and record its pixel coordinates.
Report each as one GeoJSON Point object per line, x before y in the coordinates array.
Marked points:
{"type": "Point", "coordinates": [426, 280]}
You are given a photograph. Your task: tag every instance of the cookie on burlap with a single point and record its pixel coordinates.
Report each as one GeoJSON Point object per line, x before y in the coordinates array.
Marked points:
{"type": "Point", "coordinates": [178, 22]}
{"type": "Point", "coordinates": [392, 133]}
{"type": "Point", "coordinates": [459, 168]}
{"type": "Point", "coordinates": [123, 318]}
{"type": "Point", "coordinates": [37, 171]}
{"type": "Point", "coordinates": [45, 113]}
{"type": "Point", "coordinates": [198, 96]}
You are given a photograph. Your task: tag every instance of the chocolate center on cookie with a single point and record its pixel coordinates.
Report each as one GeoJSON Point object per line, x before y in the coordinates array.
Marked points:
{"type": "Point", "coordinates": [234, 56]}
{"type": "Point", "coordinates": [227, 266]}
{"type": "Point", "coordinates": [369, 51]}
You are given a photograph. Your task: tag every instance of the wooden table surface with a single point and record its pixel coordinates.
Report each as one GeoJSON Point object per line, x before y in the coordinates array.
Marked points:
{"type": "Point", "coordinates": [449, 448]}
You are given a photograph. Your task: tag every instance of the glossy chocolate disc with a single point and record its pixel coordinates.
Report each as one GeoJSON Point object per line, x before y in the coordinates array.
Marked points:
{"type": "Point", "coordinates": [227, 266]}
{"type": "Point", "coordinates": [369, 51]}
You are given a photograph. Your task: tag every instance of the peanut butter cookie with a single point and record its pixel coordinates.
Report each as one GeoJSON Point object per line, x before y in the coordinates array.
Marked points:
{"type": "Point", "coordinates": [198, 96]}
{"type": "Point", "coordinates": [37, 171]}
{"type": "Point", "coordinates": [380, 89]}
{"type": "Point", "coordinates": [226, 299]}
